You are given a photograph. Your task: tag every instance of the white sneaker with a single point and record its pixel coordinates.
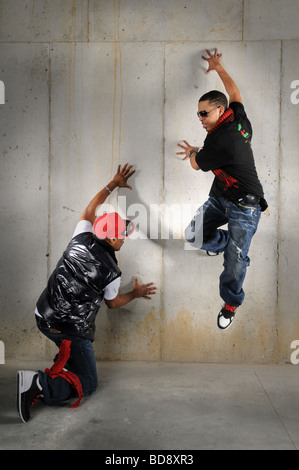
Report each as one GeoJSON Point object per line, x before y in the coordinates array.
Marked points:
{"type": "Point", "coordinates": [28, 391]}
{"type": "Point", "coordinates": [226, 316]}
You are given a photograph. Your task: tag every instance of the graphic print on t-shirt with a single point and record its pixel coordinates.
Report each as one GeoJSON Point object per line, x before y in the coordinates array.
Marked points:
{"type": "Point", "coordinates": [227, 180]}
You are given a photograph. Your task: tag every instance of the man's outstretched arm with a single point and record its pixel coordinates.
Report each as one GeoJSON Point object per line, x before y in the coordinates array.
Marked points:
{"type": "Point", "coordinates": [119, 180]}
{"type": "Point", "coordinates": [230, 86]}
{"type": "Point", "coordinates": [138, 291]}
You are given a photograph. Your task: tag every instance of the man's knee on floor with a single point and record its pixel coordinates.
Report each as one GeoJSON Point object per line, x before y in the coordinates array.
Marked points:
{"type": "Point", "coordinates": [89, 387]}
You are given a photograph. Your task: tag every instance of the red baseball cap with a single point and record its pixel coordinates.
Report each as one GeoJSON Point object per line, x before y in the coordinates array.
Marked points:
{"type": "Point", "coordinates": [113, 226]}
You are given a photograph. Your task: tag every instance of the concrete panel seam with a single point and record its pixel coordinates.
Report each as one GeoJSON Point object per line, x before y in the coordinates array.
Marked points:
{"type": "Point", "coordinates": [275, 410]}
{"type": "Point", "coordinates": [279, 205]}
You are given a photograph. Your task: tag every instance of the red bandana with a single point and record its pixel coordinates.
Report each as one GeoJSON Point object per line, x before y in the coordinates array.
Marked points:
{"type": "Point", "coordinates": [58, 371]}
{"type": "Point", "coordinates": [227, 116]}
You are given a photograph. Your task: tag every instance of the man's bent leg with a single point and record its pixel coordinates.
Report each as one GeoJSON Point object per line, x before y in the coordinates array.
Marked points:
{"type": "Point", "coordinates": [81, 363]}
{"type": "Point", "coordinates": [203, 232]}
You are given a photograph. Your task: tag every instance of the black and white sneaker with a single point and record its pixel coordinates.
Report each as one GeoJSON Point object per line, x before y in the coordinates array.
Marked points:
{"type": "Point", "coordinates": [212, 253]}
{"type": "Point", "coordinates": [28, 391]}
{"type": "Point", "coordinates": [226, 316]}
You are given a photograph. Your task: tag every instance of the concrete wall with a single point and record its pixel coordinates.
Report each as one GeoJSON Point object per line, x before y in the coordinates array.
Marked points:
{"type": "Point", "coordinates": [92, 83]}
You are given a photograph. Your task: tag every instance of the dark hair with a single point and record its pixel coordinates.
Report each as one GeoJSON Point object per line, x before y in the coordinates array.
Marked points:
{"type": "Point", "coordinates": [216, 98]}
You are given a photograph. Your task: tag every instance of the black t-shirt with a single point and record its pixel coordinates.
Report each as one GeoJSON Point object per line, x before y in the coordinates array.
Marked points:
{"type": "Point", "coordinates": [228, 149]}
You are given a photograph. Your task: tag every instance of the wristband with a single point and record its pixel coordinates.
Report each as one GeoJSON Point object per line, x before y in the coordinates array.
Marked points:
{"type": "Point", "coordinates": [108, 189]}
{"type": "Point", "coordinates": [192, 151]}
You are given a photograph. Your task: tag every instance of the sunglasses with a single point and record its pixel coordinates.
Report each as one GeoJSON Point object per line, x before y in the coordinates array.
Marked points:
{"type": "Point", "coordinates": [205, 113]}
{"type": "Point", "coordinates": [129, 228]}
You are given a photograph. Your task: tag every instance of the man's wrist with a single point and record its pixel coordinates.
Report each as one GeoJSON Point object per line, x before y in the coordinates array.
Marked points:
{"type": "Point", "coordinates": [220, 69]}
{"type": "Point", "coordinates": [111, 186]}
{"type": "Point", "coordinates": [191, 152]}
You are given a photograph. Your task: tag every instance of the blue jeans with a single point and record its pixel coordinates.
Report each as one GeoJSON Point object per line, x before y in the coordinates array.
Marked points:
{"type": "Point", "coordinates": [81, 362]}
{"type": "Point", "coordinates": [203, 232]}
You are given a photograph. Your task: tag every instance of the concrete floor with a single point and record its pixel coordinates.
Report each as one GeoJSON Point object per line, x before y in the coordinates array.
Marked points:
{"type": "Point", "coordinates": [162, 406]}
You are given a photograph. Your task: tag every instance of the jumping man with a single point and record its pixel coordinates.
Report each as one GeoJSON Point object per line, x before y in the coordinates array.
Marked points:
{"type": "Point", "coordinates": [236, 197]}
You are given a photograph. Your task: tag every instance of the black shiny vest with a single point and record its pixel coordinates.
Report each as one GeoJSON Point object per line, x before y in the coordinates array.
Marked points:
{"type": "Point", "coordinates": [75, 289]}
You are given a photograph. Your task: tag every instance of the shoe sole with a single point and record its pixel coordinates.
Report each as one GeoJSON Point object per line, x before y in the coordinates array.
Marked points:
{"type": "Point", "coordinates": [19, 396]}
{"type": "Point", "coordinates": [212, 253]}
{"type": "Point", "coordinates": [22, 386]}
